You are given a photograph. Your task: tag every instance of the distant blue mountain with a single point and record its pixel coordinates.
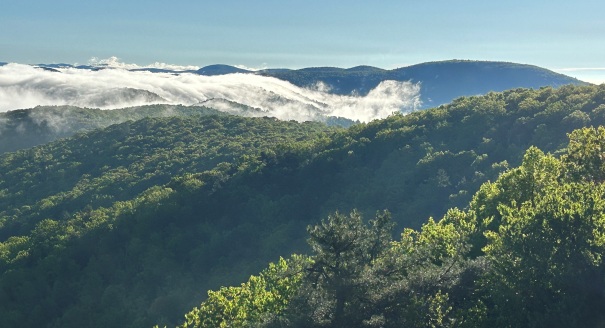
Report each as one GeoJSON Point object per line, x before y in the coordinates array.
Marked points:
{"type": "Point", "coordinates": [87, 67]}
{"type": "Point", "coordinates": [220, 70]}
{"type": "Point", "coordinates": [440, 82]}
{"type": "Point", "coordinates": [160, 70]}
{"type": "Point", "coordinates": [50, 69]}
{"type": "Point", "coordinates": [274, 70]}
{"type": "Point", "coordinates": [61, 65]}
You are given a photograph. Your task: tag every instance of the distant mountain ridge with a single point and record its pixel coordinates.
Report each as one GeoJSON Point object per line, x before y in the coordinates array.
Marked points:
{"type": "Point", "coordinates": [441, 81]}
{"type": "Point", "coordinates": [220, 70]}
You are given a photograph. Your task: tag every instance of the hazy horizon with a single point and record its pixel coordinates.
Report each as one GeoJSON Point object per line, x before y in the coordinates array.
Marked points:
{"type": "Point", "coordinates": [595, 75]}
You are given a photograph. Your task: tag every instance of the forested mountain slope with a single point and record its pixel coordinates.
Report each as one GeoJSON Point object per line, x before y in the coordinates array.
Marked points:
{"type": "Point", "coordinates": [526, 252]}
{"type": "Point", "coordinates": [134, 257]}
{"type": "Point", "coordinates": [24, 128]}
{"type": "Point", "coordinates": [113, 164]}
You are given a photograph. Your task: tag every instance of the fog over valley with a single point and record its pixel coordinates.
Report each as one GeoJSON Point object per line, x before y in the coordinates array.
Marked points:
{"type": "Point", "coordinates": [26, 86]}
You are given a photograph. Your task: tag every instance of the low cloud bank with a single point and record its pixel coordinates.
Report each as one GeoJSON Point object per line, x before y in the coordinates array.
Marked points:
{"type": "Point", "coordinates": [595, 75]}
{"type": "Point", "coordinates": [24, 86]}
{"type": "Point", "coordinates": [115, 62]}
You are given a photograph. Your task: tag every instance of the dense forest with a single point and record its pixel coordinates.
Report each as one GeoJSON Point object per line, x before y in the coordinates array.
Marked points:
{"type": "Point", "coordinates": [129, 225]}
{"type": "Point", "coordinates": [526, 252]}
{"type": "Point", "coordinates": [25, 128]}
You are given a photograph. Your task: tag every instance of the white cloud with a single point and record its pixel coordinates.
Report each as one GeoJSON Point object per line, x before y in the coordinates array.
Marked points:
{"type": "Point", "coordinates": [23, 86]}
{"type": "Point", "coordinates": [579, 69]}
{"type": "Point", "coordinates": [254, 69]}
{"type": "Point", "coordinates": [594, 75]}
{"type": "Point", "coordinates": [114, 62]}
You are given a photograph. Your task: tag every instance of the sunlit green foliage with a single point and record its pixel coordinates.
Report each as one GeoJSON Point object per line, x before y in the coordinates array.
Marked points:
{"type": "Point", "coordinates": [126, 198]}
{"type": "Point", "coordinates": [115, 164]}
{"type": "Point", "coordinates": [256, 300]}
{"type": "Point", "coordinates": [585, 156]}
{"type": "Point", "coordinates": [540, 265]}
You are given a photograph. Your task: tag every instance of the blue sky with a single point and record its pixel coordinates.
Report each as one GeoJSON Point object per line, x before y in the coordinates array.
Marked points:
{"type": "Point", "coordinates": [559, 35]}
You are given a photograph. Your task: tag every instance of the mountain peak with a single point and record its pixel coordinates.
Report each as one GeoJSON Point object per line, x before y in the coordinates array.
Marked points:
{"type": "Point", "coordinates": [364, 68]}
{"type": "Point", "coordinates": [220, 69]}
